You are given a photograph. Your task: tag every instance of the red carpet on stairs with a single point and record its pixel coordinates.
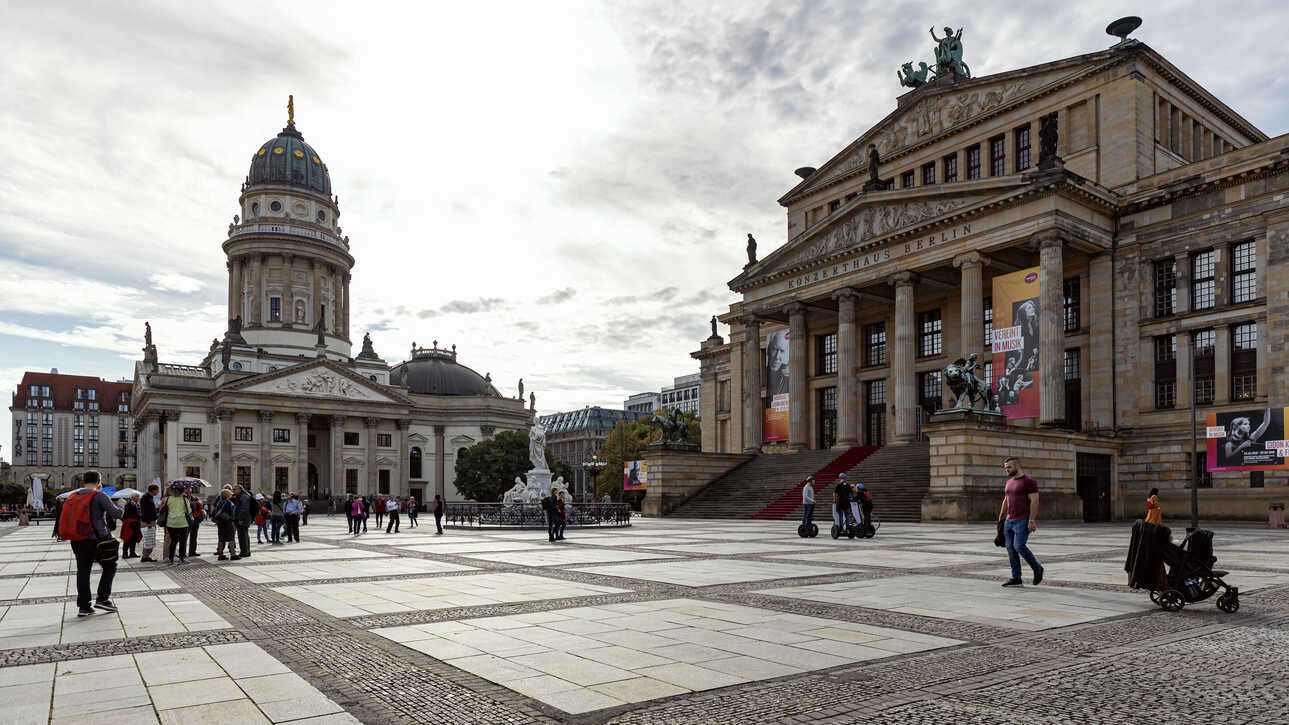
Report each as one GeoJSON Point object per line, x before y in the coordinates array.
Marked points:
{"type": "Point", "coordinates": [825, 478]}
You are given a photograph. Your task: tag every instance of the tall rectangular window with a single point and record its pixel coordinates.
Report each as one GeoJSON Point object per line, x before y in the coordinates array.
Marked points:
{"type": "Point", "coordinates": [875, 344]}
{"type": "Point", "coordinates": [876, 396]}
{"type": "Point", "coordinates": [950, 168]}
{"type": "Point", "coordinates": [281, 478]}
{"type": "Point", "coordinates": [244, 477]}
{"type": "Point", "coordinates": [1072, 304]}
{"type": "Point", "coordinates": [998, 156]}
{"type": "Point", "coordinates": [827, 354]}
{"type": "Point", "coordinates": [1022, 148]}
{"type": "Point", "coordinates": [192, 435]}
{"type": "Point", "coordinates": [973, 162]}
{"type": "Point", "coordinates": [384, 440]}
{"type": "Point", "coordinates": [1202, 282]}
{"type": "Point", "coordinates": [929, 330]}
{"type": "Point", "coordinates": [1073, 389]}
{"type": "Point", "coordinates": [382, 480]}
{"type": "Point", "coordinates": [930, 390]}
{"type": "Point", "coordinates": [1202, 349]}
{"type": "Point", "coordinates": [989, 325]}
{"type": "Point", "coordinates": [243, 433]}
{"type": "Point", "coordinates": [1165, 371]}
{"type": "Point", "coordinates": [928, 174]}
{"type": "Point", "coordinates": [275, 309]}
{"type": "Point", "coordinates": [827, 418]}
{"type": "Point", "coordinates": [906, 180]}
{"type": "Point", "coordinates": [1244, 361]}
{"type": "Point", "coordinates": [1244, 272]}
{"type": "Point", "coordinates": [351, 480]}
{"type": "Point", "coordinates": [1165, 287]}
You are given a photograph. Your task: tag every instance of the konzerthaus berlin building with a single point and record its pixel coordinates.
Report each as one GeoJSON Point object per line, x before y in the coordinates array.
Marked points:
{"type": "Point", "coordinates": [1156, 241]}
{"type": "Point", "coordinates": [280, 401]}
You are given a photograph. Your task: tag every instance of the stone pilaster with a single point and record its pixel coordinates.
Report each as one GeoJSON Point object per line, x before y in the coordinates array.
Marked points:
{"type": "Point", "coordinates": [1101, 345]}
{"type": "Point", "coordinates": [753, 404]}
{"type": "Point", "coordinates": [302, 452]}
{"type": "Point", "coordinates": [1051, 316]}
{"type": "Point", "coordinates": [847, 361]}
{"type": "Point", "coordinates": [225, 446]}
{"type": "Point", "coordinates": [1273, 285]}
{"type": "Point", "coordinates": [338, 483]}
{"type": "Point", "coordinates": [151, 447]}
{"type": "Point", "coordinates": [798, 360]}
{"type": "Point", "coordinates": [440, 461]}
{"type": "Point", "coordinates": [371, 453]}
{"type": "Point", "coordinates": [288, 292]}
{"type": "Point", "coordinates": [1221, 364]}
{"type": "Point", "coordinates": [344, 319]}
{"type": "Point", "coordinates": [257, 289]}
{"type": "Point", "coordinates": [902, 356]}
{"type": "Point", "coordinates": [318, 300]}
{"type": "Point", "coordinates": [972, 337]}
{"type": "Point", "coordinates": [234, 294]}
{"type": "Point", "coordinates": [404, 460]}
{"type": "Point", "coordinates": [266, 450]}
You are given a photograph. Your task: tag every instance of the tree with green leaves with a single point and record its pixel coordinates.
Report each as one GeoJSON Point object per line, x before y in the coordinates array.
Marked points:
{"type": "Point", "coordinates": [488, 469]}
{"type": "Point", "coordinates": [626, 442]}
{"type": "Point", "coordinates": [13, 494]}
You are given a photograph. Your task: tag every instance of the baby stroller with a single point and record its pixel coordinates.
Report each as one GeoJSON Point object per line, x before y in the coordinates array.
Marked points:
{"type": "Point", "coordinates": [1177, 575]}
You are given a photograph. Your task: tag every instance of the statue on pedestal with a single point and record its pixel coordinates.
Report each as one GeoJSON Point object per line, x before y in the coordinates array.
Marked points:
{"type": "Point", "coordinates": [537, 445]}
{"type": "Point", "coordinates": [965, 384]}
{"type": "Point", "coordinates": [751, 250]}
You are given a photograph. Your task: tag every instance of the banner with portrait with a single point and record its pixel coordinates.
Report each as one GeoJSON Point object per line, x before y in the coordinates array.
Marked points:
{"type": "Point", "coordinates": [776, 386]}
{"type": "Point", "coordinates": [1014, 391]}
{"type": "Point", "coordinates": [635, 475]}
{"type": "Point", "coordinates": [1247, 440]}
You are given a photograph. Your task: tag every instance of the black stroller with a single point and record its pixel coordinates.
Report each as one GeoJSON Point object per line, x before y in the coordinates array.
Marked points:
{"type": "Point", "coordinates": [1177, 575]}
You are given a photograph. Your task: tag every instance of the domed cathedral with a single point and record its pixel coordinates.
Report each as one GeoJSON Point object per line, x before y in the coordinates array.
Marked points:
{"type": "Point", "coordinates": [279, 402]}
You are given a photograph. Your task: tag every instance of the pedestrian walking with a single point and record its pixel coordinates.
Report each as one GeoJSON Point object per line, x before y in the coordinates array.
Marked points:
{"type": "Point", "coordinates": [1154, 515]}
{"type": "Point", "coordinates": [262, 516]}
{"type": "Point", "coordinates": [304, 512]}
{"type": "Point", "coordinates": [176, 512]}
{"type": "Point", "coordinates": [548, 505]}
{"type": "Point", "coordinates": [291, 517]}
{"type": "Point", "coordinates": [391, 508]}
{"type": "Point", "coordinates": [277, 517]}
{"type": "Point", "coordinates": [412, 513]}
{"type": "Point", "coordinates": [246, 508]}
{"type": "Point", "coordinates": [356, 509]}
{"type": "Point", "coordinates": [1020, 509]}
{"type": "Point", "coordinates": [85, 522]}
{"type": "Point", "coordinates": [148, 521]}
{"type": "Point", "coordinates": [198, 516]}
{"type": "Point", "coordinates": [366, 502]}
{"type": "Point", "coordinates": [808, 500]}
{"type": "Point", "coordinates": [131, 529]}
{"type": "Point", "coordinates": [379, 507]}
{"type": "Point", "coordinates": [224, 515]}
{"type": "Point", "coordinates": [349, 512]}
{"type": "Point", "coordinates": [331, 506]}
{"type": "Point", "coordinates": [438, 514]}
{"type": "Point", "coordinates": [560, 516]}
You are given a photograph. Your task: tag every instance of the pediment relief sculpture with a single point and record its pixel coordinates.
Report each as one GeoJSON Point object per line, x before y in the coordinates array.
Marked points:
{"type": "Point", "coordinates": [874, 221]}
{"type": "Point", "coordinates": [319, 382]}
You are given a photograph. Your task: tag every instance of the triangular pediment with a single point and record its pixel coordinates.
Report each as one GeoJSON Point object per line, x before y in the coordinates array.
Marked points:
{"type": "Point", "coordinates": [934, 112]}
{"type": "Point", "coordinates": [870, 218]}
{"type": "Point", "coordinates": [321, 379]}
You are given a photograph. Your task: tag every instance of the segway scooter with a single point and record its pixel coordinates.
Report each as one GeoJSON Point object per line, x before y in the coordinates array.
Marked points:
{"type": "Point", "coordinates": [808, 530]}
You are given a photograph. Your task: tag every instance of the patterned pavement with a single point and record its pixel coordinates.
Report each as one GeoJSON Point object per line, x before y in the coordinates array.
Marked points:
{"type": "Point", "coordinates": [668, 621]}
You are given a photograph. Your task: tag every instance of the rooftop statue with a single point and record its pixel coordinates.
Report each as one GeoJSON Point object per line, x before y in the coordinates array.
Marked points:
{"type": "Point", "coordinates": [910, 78]}
{"type": "Point", "coordinates": [948, 54]}
{"type": "Point", "coordinates": [751, 250]}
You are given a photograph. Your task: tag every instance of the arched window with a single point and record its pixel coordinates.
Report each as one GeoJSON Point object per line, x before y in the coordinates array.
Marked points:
{"type": "Point", "coordinates": [414, 464]}
{"type": "Point", "coordinates": [460, 453]}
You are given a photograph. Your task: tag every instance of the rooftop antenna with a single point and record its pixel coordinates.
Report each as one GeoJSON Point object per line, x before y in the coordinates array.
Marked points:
{"type": "Point", "coordinates": [1122, 28]}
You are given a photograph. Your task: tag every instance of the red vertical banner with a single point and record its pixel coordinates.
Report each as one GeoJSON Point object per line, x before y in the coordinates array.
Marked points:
{"type": "Point", "coordinates": [776, 386]}
{"type": "Point", "coordinates": [1015, 344]}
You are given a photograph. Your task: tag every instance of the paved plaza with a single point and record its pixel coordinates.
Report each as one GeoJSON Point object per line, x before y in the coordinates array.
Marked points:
{"type": "Point", "coordinates": [667, 621]}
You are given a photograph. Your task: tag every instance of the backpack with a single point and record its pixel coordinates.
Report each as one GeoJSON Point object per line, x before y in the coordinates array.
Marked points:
{"type": "Point", "coordinates": [74, 523]}
{"type": "Point", "coordinates": [198, 510]}
{"type": "Point", "coordinates": [548, 504]}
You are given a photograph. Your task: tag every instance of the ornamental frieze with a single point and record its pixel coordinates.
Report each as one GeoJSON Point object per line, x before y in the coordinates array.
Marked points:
{"type": "Point", "coordinates": [873, 222]}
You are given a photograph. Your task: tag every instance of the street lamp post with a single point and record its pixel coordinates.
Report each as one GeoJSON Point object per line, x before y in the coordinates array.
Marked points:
{"type": "Point", "coordinates": [592, 468]}
{"type": "Point", "coordinates": [1194, 454]}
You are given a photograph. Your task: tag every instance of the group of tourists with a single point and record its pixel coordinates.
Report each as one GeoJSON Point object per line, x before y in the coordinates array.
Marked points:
{"type": "Point", "coordinates": [358, 509]}
{"type": "Point", "coordinates": [556, 514]}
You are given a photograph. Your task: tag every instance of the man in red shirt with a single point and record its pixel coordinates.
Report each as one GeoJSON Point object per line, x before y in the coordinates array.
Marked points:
{"type": "Point", "coordinates": [1020, 509]}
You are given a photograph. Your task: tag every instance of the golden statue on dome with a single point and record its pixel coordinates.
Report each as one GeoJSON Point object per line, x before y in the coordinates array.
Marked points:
{"type": "Point", "coordinates": [290, 110]}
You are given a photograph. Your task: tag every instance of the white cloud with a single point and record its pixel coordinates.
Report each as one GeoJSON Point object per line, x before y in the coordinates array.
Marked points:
{"type": "Point", "coordinates": [174, 282]}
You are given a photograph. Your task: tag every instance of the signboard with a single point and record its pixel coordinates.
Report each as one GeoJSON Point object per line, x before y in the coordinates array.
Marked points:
{"type": "Point", "coordinates": [776, 386]}
{"type": "Point", "coordinates": [1247, 440]}
{"type": "Point", "coordinates": [635, 475]}
{"type": "Point", "coordinates": [1014, 391]}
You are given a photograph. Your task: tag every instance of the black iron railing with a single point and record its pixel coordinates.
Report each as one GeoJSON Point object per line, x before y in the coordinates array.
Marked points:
{"type": "Point", "coordinates": [531, 515]}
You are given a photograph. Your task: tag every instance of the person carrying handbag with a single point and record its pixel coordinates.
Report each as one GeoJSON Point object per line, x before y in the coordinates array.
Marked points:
{"type": "Point", "coordinates": [225, 511]}
{"type": "Point", "coordinates": [176, 513]}
{"type": "Point", "coordinates": [86, 522]}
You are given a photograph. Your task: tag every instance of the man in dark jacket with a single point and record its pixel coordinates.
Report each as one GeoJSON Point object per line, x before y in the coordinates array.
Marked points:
{"type": "Point", "coordinates": [101, 511]}
{"type": "Point", "coordinates": [246, 508]}
{"type": "Point", "coordinates": [148, 518]}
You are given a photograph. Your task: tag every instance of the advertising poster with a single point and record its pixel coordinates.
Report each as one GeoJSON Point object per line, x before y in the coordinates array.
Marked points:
{"type": "Point", "coordinates": [776, 386]}
{"type": "Point", "coordinates": [1015, 346]}
{"type": "Point", "coordinates": [635, 476]}
{"type": "Point", "coordinates": [1247, 440]}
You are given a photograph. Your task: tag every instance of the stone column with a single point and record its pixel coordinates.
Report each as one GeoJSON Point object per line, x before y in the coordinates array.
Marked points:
{"type": "Point", "coordinates": [266, 450]}
{"type": "Point", "coordinates": [338, 483]}
{"type": "Point", "coordinates": [225, 446]}
{"type": "Point", "coordinates": [902, 356]}
{"type": "Point", "coordinates": [753, 404]}
{"type": "Point", "coordinates": [151, 447]}
{"type": "Point", "coordinates": [236, 302]}
{"type": "Point", "coordinates": [798, 360]}
{"type": "Point", "coordinates": [257, 288]}
{"type": "Point", "coordinates": [302, 452]}
{"type": "Point", "coordinates": [972, 337]}
{"type": "Point", "coordinates": [847, 361]}
{"type": "Point", "coordinates": [317, 300]}
{"type": "Point", "coordinates": [234, 294]}
{"type": "Point", "coordinates": [371, 453]}
{"type": "Point", "coordinates": [440, 461]}
{"type": "Point", "coordinates": [404, 460]}
{"type": "Point", "coordinates": [1051, 333]}
{"type": "Point", "coordinates": [344, 318]}
{"type": "Point", "coordinates": [288, 294]}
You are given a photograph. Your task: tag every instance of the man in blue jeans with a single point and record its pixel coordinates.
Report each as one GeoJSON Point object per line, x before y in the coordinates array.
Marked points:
{"type": "Point", "coordinates": [1020, 507]}
{"type": "Point", "coordinates": [808, 500]}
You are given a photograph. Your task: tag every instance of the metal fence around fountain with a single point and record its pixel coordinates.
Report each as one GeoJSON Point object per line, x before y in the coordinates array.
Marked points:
{"type": "Point", "coordinates": [531, 515]}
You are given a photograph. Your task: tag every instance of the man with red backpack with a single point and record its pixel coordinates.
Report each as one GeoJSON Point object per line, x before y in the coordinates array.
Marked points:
{"type": "Point", "coordinates": [85, 521]}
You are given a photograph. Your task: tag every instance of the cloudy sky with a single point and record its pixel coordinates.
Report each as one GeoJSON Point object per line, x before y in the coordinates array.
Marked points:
{"type": "Point", "coordinates": [561, 189]}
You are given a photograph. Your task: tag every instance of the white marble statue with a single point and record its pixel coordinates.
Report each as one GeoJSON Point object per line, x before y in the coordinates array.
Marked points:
{"type": "Point", "coordinates": [537, 445]}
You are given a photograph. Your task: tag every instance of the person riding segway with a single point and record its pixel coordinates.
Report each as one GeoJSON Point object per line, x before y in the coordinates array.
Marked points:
{"type": "Point", "coordinates": [808, 529]}
{"type": "Point", "coordinates": [864, 501]}
{"type": "Point", "coordinates": [841, 509]}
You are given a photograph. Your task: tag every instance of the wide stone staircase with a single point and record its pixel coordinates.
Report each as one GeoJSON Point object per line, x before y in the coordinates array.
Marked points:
{"type": "Point", "coordinates": [769, 486]}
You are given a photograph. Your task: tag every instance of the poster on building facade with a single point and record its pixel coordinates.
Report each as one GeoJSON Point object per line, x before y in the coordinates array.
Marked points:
{"type": "Point", "coordinates": [1247, 440]}
{"type": "Point", "coordinates": [635, 476]}
{"type": "Point", "coordinates": [776, 386]}
{"type": "Point", "coordinates": [1014, 391]}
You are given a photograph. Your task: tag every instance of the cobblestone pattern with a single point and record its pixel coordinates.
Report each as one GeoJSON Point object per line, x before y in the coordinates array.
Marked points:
{"type": "Point", "coordinates": [72, 597]}
{"type": "Point", "coordinates": [106, 648]}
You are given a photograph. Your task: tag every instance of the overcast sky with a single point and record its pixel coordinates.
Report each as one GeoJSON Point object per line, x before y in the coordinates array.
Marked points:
{"type": "Point", "coordinates": [561, 189]}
